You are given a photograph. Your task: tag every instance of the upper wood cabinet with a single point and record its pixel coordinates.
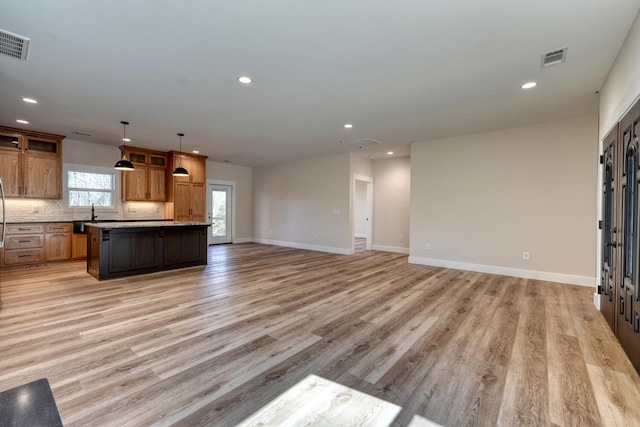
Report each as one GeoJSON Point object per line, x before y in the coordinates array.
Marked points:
{"type": "Point", "coordinates": [186, 192]}
{"type": "Point", "coordinates": [147, 181]}
{"type": "Point", "coordinates": [31, 163]}
{"type": "Point", "coordinates": [195, 165]}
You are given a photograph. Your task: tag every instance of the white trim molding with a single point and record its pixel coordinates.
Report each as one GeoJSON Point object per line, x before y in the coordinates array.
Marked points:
{"type": "Point", "coordinates": [596, 300]}
{"type": "Point", "coordinates": [317, 248]}
{"type": "Point", "coordinates": [395, 249]}
{"type": "Point", "coordinates": [243, 240]}
{"type": "Point", "coordinates": [361, 235]}
{"type": "Point", "coordinates": [507, 271]}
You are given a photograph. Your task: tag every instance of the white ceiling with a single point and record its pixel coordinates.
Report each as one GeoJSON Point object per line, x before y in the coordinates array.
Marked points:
{"type": "Point", "coordinates": [400, 71]}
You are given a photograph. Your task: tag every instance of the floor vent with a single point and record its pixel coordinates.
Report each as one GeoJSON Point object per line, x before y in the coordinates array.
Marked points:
{"type": "Point", "coordinates": [364, 142]}
{"type": "Point", "coordinates": [13, 45]}
{"type": "Point", "coordinates": [554, 57]}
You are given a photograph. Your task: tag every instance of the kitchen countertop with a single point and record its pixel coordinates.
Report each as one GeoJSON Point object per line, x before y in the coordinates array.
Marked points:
{"type": "Point", "coordinates": [88, 221]}
{"type": "Point", "coordinates": [137, 224]}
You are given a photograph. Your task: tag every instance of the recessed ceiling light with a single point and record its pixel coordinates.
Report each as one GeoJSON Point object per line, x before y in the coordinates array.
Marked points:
{"type": "Point", "coordinates": [30, 100]}
{"type": "Point", "coordinates": [196, 152]}
{"type": "Point", "coordinates": [348, 126]}
{"type": "Point", "coordinates": [244, 79]}
{"type": "Point", "coordinates": [24, 122]}
{"type": "Point", "coordinates": [389, 152]}
{"type": "Point", "coordinates": [529, 85]}
{"type": "Point", "coordinates": [126, 139]}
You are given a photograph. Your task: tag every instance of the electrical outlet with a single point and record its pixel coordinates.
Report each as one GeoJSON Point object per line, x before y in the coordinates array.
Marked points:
{"type": "Point", "coordinates": [336, 212]}
{"type": "Point", "coordinates": [401, 239]}
{"type": "Point", "coordinates": [157, 210]}
{"type": "Point", "coordinates": [428, 246]}
{"type": "Point", "coordinates": [35, 209]}
{"type": "Point", "coordinates": [525, 256]}
{"type": "Point", "coordinates": [131, 210]}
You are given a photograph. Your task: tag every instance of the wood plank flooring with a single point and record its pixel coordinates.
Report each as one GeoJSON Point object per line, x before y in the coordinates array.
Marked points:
{"type": "Point", "coordinates": [212, 345]}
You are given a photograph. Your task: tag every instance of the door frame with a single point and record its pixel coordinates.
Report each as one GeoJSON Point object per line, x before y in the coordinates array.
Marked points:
{"type": "Point", "coordinates": [231, 184]}
{"type": "Point", "coordinates": [369, 181]}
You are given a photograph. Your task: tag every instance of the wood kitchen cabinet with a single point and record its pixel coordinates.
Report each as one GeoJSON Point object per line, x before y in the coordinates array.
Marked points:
{"type": "Point", "coordinates": [31, 163]}
{"type": "Point", "coordinates": [196, 165]}
{"type": "Point", "coordinates": [24, 244]}
{"type": "Point", "coordinates": [78, 246]}
{"type": "Point", "coordinates": [30, 243]}
{"type": "Point", "coordinates": [147, 181]}
{"type": "Point", "coordinates": [189, 202]}
{"type": "Point", "coordinates": [57, 244]}
{"type": "Point", "coordinates": [186, 194]}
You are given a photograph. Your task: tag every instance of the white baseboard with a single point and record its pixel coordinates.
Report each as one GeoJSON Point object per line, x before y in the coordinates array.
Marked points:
{"type": "Point", "coordinates": [396, 249]}
{"type": "Point", "coordinates": [243, 240]}
{"type": "Point", "coordinates": [318, 248]}
{"type": "Point", "coordinates": [506, 271]}
{"type": "Point", "coordinates": [361, 235]}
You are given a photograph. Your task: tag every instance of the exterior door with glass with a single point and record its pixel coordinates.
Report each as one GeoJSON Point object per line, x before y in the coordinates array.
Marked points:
{"type": "Point", "coordinates": [609, 249]}
{"type": "Point", "coordinates": [628, 319]}
{"type": "Point", "coordinates": [220, 213]}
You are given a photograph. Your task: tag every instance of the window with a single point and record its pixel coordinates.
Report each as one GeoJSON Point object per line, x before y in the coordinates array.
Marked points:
{"type": "Point", "coordinates": [630, 212]}
{"type": "Point", "coordinates": [87, 185]}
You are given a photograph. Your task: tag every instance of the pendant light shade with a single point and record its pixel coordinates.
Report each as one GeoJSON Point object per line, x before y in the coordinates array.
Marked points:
{"type": "Point", "coordinates": [124, 164]}
{"type": "Point", "coordinates": [180, 171]}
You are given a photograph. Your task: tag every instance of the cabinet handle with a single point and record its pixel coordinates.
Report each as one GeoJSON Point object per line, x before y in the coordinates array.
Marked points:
{"type": "Point", "coordinates": [24, 241]}
{"type": "Point", "coordinates": [59, 235]}
{"type": "Point", "coordinates": [19, 190]}
{"type": "Point", "coordinates": [24, 256]}
{"type": "Point", "coordinates": [24, 229]}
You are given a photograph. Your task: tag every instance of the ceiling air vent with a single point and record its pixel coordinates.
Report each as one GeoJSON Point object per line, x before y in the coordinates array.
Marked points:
{"type": "Point", "coordinates": [364, 142]}
{"type": "Point", "coordinates": [554, 57]}
{"type": "Point", "coordinates": [13, 45]}
{"type": "Point", "coordinates": [75, 132]}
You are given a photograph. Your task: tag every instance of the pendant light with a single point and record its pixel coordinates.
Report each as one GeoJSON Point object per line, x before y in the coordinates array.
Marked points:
{"type": "Point", "coordinates": [180, 171]}
{"type": "Point", "coordinates": [124, 164]}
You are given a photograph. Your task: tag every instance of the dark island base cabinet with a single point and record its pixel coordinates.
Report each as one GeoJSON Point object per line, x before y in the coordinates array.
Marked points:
{"type": "Point", "coordinates": [120, 252]}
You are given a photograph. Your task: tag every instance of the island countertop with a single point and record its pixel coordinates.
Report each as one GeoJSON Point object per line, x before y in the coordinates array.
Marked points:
{"type": "Point", "coordinates": [138, 224]}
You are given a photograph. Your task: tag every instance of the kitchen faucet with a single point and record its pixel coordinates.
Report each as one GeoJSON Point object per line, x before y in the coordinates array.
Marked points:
{"type": "Point", "coordinates": [93, 213]}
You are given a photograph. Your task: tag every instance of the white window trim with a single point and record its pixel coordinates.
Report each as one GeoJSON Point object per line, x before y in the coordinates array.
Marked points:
{"type": "Point", "coordinates": [117, 208]}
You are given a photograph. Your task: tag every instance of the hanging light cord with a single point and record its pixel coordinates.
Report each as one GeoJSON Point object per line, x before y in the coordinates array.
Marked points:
{"type": "Point", "coordinates": [181, 135]}
{"type": "Point", "coordinates": [124, 137]}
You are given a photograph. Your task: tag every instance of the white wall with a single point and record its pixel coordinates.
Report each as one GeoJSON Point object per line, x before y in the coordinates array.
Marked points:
{"type": "Point", "coordinates": [360, 209]}
{"type": "Point", "coordinates": [622, 85]}
{"type": "Point", "coordinates": [361, 166]}
{"type": "Point", "coordinates": [86, 153]}
{"type": "Point", "coordinates": [242, 176]}
{"type": "Point", "coordinates": [294, 204]}
{"type": "Point", "coordinates": [482, 200]}
{"type": "Point", "coordinates": [391, 204]}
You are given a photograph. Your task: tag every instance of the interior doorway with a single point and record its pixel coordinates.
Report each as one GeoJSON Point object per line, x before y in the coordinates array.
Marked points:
{"type": "Point", "coordinates": [221, 209]}
{"type": "Point", "coordinates": [362, 213]}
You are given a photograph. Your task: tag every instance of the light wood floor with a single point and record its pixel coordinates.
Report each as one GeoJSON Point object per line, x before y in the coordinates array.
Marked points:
{"type": "Point", "coordinates": [211, 345]}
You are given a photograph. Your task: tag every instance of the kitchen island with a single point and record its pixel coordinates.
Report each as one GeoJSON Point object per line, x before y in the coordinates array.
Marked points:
{"type": "Point", "coordinates": [119, 249]}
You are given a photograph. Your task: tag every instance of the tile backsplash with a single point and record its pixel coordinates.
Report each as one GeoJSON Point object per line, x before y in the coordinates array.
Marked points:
{"type": "Point", "coordinates": [37, 210]}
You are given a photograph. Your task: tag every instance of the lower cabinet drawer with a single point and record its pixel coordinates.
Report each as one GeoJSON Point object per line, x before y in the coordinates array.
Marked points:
{"type": "Point", "coordinates": [23, 256]}
{"type": "Point", "coordinates": [24, 241]}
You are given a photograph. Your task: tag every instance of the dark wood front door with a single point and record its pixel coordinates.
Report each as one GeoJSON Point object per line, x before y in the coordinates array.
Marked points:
{"type": "Point", "coordinates": [628, 320]}
{"type": "Point", "coordinates": [609, 277]}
